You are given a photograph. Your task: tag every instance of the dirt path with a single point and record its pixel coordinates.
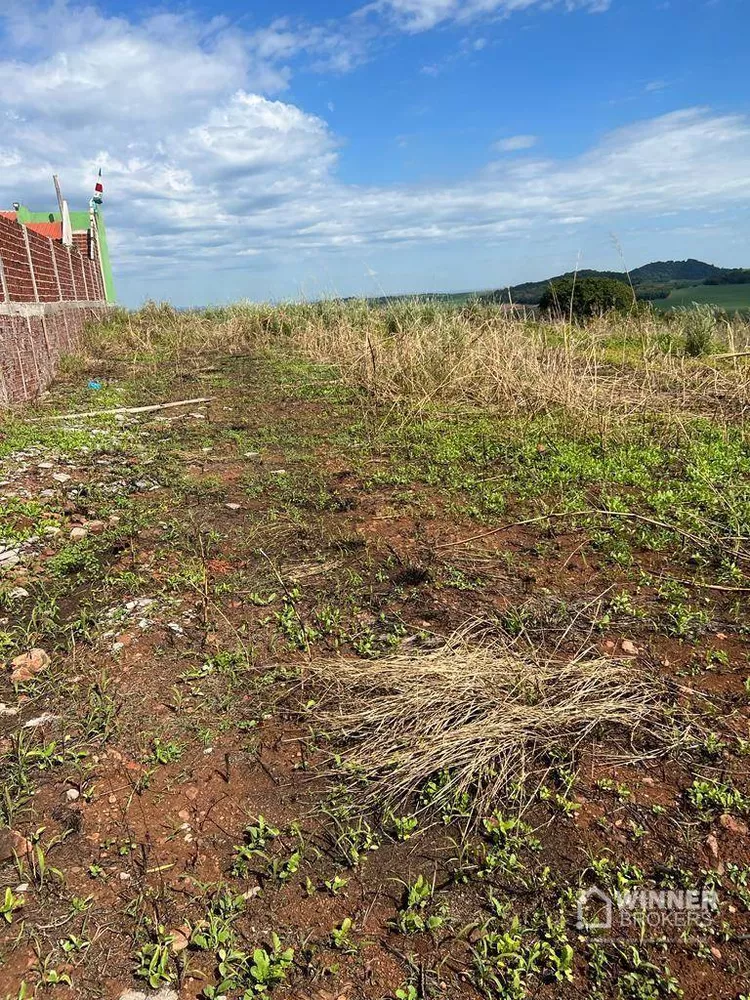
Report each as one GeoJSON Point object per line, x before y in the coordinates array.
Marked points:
{"type": "Point", "coordinates": [166, 805]}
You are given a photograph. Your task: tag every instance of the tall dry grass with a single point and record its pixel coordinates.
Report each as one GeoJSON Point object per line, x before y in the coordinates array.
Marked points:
{"type": "Point", "coordinates": [425, 353]}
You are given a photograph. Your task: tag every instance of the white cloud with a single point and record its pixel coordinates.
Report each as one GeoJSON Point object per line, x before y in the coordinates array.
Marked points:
{"type": "Point", "coordinates": [420, 15]}
{"type": "Point", "coordinates": [514, 143]}
{"type": "Point", "coordinates": [654, 86]}
{"type": "Point", "coordinates": [201, 172]}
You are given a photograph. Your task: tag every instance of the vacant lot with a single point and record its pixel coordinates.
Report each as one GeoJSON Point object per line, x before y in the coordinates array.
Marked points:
{"type": "Point", "coordinates": [350, 678]}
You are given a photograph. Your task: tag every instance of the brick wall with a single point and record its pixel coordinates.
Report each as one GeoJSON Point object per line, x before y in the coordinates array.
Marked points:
{"type": "Point", "coordinates": [36, 268]}
{"type": "Point", "coordinates": [64, 271]}
{"type": "Point", "coordinates": [42, 259]}
{"type": "Point", "coordinates": [47, 293]}
{"type": "Point", "coordinates": [32, 340]}
{"type": "Point", "coordinates": [17, 282]}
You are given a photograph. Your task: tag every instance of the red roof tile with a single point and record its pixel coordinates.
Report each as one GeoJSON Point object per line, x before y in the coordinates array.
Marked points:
{"type": "Point", "coordinates": [51, 229]}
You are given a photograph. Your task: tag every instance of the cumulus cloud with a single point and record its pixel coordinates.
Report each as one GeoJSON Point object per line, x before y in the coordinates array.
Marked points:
{"type": "Point", "coordinates": [206, 169]}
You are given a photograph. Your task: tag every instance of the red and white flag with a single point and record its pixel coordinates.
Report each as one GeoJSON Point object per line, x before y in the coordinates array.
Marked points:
{"type": "Point", "coordinates": [98, 190]}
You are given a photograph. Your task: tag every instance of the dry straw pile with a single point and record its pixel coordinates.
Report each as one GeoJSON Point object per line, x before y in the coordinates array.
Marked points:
{"type": "Point", "coordinates": [483, 713]}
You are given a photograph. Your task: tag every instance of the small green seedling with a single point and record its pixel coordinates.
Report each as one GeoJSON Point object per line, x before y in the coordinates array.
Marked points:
{"type": "Point", "coordinates": [9, 904]}
{"type": "Point", "coordinates": [341, 936]}
{"type": "Point", "coordinates": [336, 884]}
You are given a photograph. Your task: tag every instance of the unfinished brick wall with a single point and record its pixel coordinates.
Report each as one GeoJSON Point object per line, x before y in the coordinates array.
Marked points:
{"type": "Point", "coordinates": [43, 267]}
{"type": "Point", "coordinates": [47, 293]}
{"type": "Point", "coordinates": [64, 271]}
{"type": "Point", "coordinates": [17, 283]}
{"type": "Point", "coordinates": [33, 339]}
{"type": "Point", "coordinates": [35, 268]}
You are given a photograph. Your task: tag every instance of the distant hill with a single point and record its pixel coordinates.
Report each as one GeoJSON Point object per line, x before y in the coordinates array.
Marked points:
{"type": "Point", "coordinates": [651, 281]}
{"type": "Point", "coordinates": [693, 271]}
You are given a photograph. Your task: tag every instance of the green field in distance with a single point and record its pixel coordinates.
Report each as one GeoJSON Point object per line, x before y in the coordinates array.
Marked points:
{"type": "Point", "coordinates": [733, 298]}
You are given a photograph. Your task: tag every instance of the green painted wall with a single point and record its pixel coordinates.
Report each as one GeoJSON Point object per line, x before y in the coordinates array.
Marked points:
{"type": "Point", "coordinates": [78, 220]}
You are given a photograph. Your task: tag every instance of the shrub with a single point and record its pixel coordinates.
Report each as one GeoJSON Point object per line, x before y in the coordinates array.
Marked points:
{"type": "Point", "coordinates": [699, 327]}
{"type": "Point", "coordinates": [586, 297]}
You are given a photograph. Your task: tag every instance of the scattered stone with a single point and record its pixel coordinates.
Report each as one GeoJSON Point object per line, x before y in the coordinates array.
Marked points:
{"type": "Point", "coordinates": [629, 648]}
{"type": "Point", "coordinates": [40, 720]}
{"type": "Point", "coordinates": [113, 519]}
{"type": "Point", "coordinates": [278, 472]}
{"type": "Point", "coordinates": [715, 952]}
{"type": "Point", "coordinates": [23, 887]}
{"type": "Point", "coordinates": [51, 530]}
{"type": "Point", "coordinates": [233, 506]}
{"type": "Point", "coordinates": [252, 454]}
{"type": "Point", "coordinates": [25, 666]}
{"type": "Point", "coordinates": [165, 993]}
{"type": "Point", "coordinates": [18, 593]}
{"type": "Point", "coordinates": [78, 534]}
{"type": "Point", "coordinates": [13, 844]}
{"type": "Point", "coordinates": [139, 602]}
{"type": "Point", "coordinates": [72, 794]}
{"type": "Point", "coordinates": [124, 877]}
{"type": "Point", "coordinates": [95, 527]}
{"type": "Point", "coordinates": [713, 845]}
{"type": "Point", "coordinates": [608, 645]}
{"type": "Point", "coordinates": [112, 799]}
{"type": "Point", "coordinates": [9, 558]}
{"type": "Point", "coordinates": [180, 939]}
{"type": "Point", "coordinates": [4, 710]}
{"type": "Point", "coordinates": [732, 825]}
{"type": "Point", "coordinates": [61, 477]}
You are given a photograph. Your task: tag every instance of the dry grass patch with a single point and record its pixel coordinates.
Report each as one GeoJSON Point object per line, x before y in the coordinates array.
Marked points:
{"type": "Point", "coordinates": [426, 354]}
{"type": "Point", "coordinates": [486, 716]}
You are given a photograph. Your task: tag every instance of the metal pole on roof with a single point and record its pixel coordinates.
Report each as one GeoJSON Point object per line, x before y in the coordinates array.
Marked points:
{"type": "Point", "coordinates": [67, 228]}
{"type": "Point", "coordinates": [58, 192]}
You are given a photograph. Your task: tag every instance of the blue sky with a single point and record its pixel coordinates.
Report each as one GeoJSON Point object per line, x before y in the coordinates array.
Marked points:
{"type": "Point", "coordinates": [293, 149]}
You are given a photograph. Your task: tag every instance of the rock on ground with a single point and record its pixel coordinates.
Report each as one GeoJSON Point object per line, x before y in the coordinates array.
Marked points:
{"type": "Point", "coordinates": [13, 844]}
{"type": "Point", "coordinates": [25, 666]}
{"type": "Point", "coordinates": [165, 993]}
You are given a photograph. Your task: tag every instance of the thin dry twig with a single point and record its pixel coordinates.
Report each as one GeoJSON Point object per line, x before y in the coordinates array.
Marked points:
{"type": "Point", "coordinates": [127, 409]}
{"type": "Point", "coordinates": [704, 543]}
